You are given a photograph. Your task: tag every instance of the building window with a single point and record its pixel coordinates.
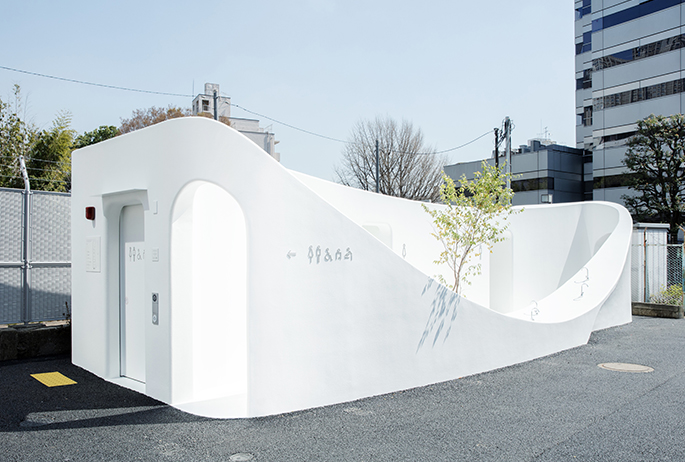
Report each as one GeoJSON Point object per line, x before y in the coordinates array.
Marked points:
{"type": "Point", "coordinates": [613, 181]}
{"type": "Point", "coordinates": [616, 137]}
{"type": "Point", "coordinates": [586, 44]}
{"type": "Point", "coordinates": [585, 81]}
{"type": "Point", "coordinates": [639, 94]}
{"type": "Point", "coordinates": [638, 11]}
{"type": "Point", "coordinates": [205, 105]}
{"type": "Point", "coordinates": [644, 51]}
{"type": "Point", "coordinates": [586, 117]}
{"type": "Point", "coordinates": [584, 10]}
{"type": "Point", "coordinates": [532, 184]}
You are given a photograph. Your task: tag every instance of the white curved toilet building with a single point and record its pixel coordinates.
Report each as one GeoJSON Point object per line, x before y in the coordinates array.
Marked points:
{"type": "Point", "coordinates": [217, 281]}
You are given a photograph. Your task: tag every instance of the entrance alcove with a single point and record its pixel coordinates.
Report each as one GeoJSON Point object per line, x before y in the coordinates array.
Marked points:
{"type": "Point", "coordinates": [208, 296]}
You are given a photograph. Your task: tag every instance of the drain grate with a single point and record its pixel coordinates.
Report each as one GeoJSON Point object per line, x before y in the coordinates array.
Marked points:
{"type": "Point", "coordinates": [625, 367]}
{"type": "Point", "coordinates": [241, 457]}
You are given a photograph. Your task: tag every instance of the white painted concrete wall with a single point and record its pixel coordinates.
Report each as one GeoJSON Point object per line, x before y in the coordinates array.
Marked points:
{"type": "Point", "coordinates": [281, 292]}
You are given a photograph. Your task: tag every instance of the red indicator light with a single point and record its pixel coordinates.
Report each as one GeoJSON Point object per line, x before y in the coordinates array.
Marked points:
{"type": "Point", "coordinates": [90, 213]}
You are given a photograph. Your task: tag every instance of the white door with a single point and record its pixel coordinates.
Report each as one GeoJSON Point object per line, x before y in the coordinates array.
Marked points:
{"type": "Point", "coordinates": [132, 299]}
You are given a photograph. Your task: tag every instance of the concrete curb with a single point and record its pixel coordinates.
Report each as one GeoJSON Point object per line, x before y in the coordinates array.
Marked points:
{"type": "Point", "coordinates": [34, 341]}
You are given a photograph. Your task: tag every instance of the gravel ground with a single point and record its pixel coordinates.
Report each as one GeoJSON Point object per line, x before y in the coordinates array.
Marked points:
{"type": "Point", "coordinates": [557, 408]}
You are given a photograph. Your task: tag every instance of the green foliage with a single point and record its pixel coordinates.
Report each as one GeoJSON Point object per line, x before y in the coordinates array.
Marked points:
{"type": "Point", "coordinates": [47, 153]}
{"type": "Point", "coordinates": [16, 139]}
{"type": "Point", "coordinates": [671, 295]}
{"type": "Point", "coordinates": [49, 162]}
{"type": "Point", "coordinates": [656, 157]}
{"type": "Point", "coordinates": [475, 216]}
{"type": "Point", "coordinates": [102, 133]}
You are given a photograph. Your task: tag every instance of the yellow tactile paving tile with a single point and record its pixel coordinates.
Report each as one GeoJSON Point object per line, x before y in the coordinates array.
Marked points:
{"type": "Point", "coordinates": [53, 379]}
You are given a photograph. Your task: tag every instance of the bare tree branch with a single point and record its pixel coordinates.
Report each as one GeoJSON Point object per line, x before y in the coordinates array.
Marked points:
{"type": "Point", "coordinates": [408, 168]}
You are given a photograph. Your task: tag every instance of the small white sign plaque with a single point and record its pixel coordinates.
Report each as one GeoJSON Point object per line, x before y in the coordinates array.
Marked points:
{"type": "Point", "coordinates": [93, 254]}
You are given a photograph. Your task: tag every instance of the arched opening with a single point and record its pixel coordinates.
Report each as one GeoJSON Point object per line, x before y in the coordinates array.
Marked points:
{"type": "Point", "coordinates": [208, 295]}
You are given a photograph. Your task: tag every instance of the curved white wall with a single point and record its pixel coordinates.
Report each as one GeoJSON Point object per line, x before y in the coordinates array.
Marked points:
{"type": "Point", "coordinates": [280, 292]}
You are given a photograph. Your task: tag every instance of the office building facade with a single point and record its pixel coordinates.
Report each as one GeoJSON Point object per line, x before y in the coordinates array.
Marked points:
{"type": "Point", "coordinates": [629, 64]}
{"type": "Point", "coordinates": [544, 172]}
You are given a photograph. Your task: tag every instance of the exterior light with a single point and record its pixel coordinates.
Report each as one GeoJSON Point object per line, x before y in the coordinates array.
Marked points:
{"type": "Point", "coordinates": [90, 213]}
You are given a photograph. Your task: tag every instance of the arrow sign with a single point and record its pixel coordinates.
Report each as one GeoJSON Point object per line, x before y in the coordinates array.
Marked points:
{"type": "Point", "coordinates": [291, 254]}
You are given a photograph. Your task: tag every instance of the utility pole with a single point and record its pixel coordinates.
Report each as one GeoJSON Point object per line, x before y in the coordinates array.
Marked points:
{"type": "Point", "coordinates": [216, 117]}
{"type": "Point", "coordinates": [377, 170]}
{"type": "Point", "coordinates": [507, 134]}
{"type": "Point", "coordinates": [497, 148]}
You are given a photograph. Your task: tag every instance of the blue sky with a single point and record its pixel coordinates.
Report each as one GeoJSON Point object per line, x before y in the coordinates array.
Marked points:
{"type": "Point", "coordinates": [452, 68]}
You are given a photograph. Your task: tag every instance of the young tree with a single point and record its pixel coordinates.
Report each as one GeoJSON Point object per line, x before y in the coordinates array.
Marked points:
{"type": "Point", "coordinates": [656, 158]}
{"type": "Point", "coordinates": [475, 215]}
{"type": "Point", "coordinates": [407, 167]}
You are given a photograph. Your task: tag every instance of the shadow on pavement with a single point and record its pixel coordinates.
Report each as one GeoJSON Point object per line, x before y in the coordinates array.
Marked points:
{"type": "Point", "coordinates": [29, 405]}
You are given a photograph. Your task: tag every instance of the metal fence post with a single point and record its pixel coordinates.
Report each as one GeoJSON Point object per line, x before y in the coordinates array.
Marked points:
{"type": "Point", "coordinates": [644, 266]}
{"type": "Point", "coordinates": [26, 234]}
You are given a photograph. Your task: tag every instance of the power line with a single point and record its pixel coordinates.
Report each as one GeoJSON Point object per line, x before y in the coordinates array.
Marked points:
{"type": "Point", "coordinates": [15, 166]}
{"type": "Point", "coordinates": [46, 170]}
{"type": "Point", "coordinates": [38, 159]}
{"type": "Point", "coordinates": [33, 178]}
{"type": "Point", "coordinates": [349, 142]}
{"type": "Point", "coordinates": [464, 145]}
{"type": "Point", "coordinates": [290, 126]}
{"type": "Point", "coordinates": [114, 87]}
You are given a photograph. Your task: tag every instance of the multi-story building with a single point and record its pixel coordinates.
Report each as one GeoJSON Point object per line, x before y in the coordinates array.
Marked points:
{"type": "Point", "coordinates": [204, 105]}
{"type": "Point", "coordinates": [629, 64]}
{"type": "Point", "coordinates": [544, 172]}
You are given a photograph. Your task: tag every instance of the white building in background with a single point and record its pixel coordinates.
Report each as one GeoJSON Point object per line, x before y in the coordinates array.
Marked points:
{"type": "Point", "coordinates": [204, 104]}
{"type": "Point", "coordinates": [629, 64]}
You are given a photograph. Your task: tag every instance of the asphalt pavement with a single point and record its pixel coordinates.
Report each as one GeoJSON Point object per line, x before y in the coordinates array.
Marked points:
{"type": "Point", "coordinates": [557, 408]}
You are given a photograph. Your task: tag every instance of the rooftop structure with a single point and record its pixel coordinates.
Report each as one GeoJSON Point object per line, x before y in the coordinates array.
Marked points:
{"type": "Point", "coordinates": [212, 102]}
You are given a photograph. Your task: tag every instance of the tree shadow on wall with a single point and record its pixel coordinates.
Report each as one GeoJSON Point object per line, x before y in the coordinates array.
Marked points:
{"type": "Point", "coordinates": [443, 313]}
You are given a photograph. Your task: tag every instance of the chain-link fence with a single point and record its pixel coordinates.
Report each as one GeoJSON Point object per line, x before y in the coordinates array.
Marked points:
{"type": "Point", "coordinates": [35, 262]}
{"type": "Point", "coordinates": [657, 273]}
